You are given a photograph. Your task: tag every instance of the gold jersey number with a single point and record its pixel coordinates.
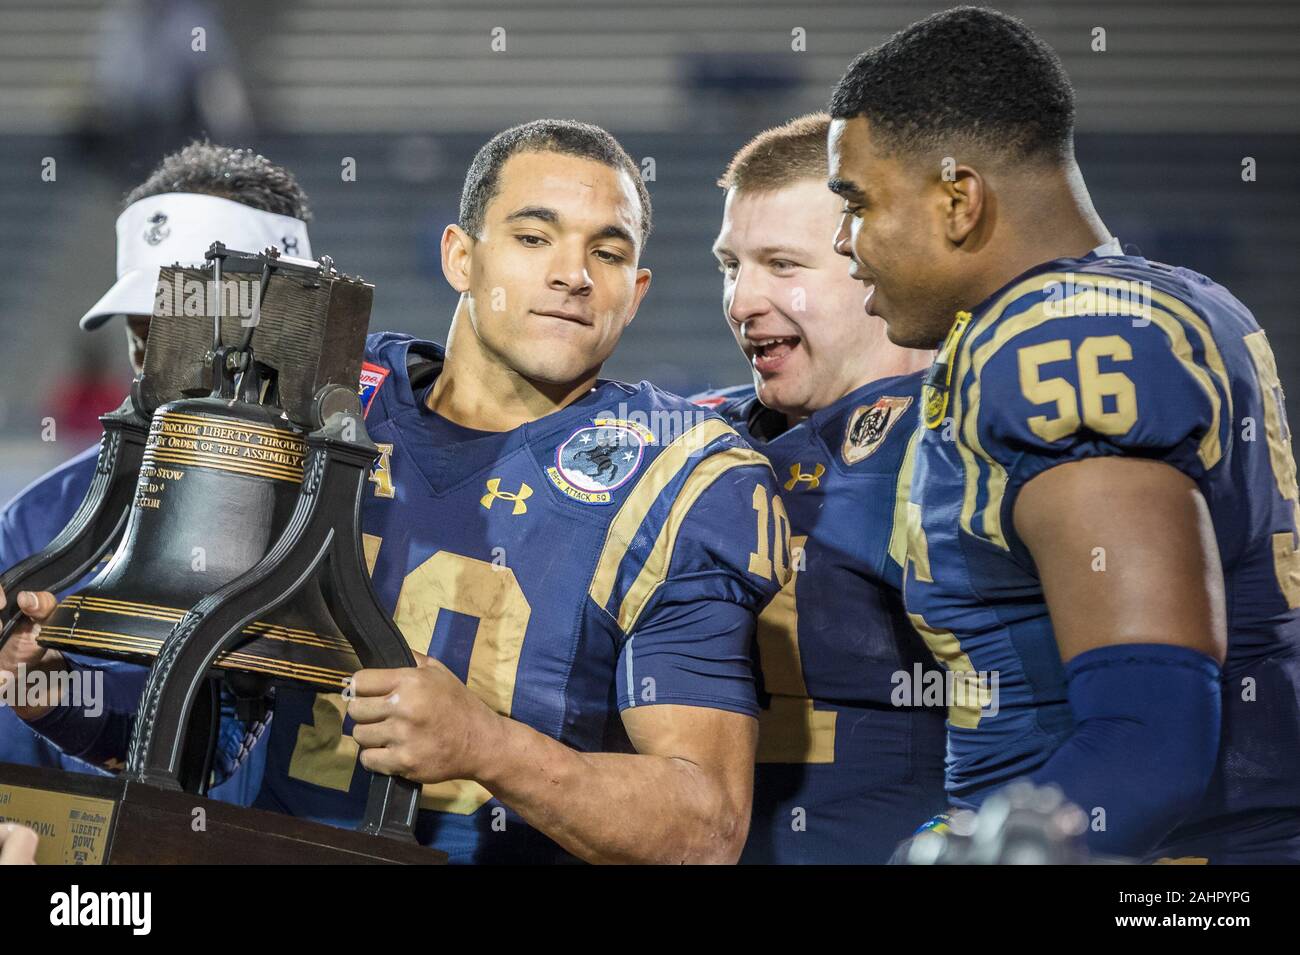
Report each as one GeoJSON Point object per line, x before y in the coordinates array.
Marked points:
{"type": "Point", "coordinates": [325, 756]}
{"type": "Point", "coordinates": [1286, 558]}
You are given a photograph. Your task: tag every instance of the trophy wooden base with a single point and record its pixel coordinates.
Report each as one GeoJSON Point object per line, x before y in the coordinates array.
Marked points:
{"type": "Point", "coordinates": [101, 820]}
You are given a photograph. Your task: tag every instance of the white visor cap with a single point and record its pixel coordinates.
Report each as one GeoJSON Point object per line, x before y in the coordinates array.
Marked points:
{"type": "Point", "coordinates": [181, 227]}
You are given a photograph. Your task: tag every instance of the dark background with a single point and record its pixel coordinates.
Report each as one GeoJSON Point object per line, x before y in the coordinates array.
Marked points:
{"type": "Point", "coordinates": [409, 89]}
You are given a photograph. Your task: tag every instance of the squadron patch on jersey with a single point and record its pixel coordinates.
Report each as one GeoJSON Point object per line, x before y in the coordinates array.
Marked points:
{"type": "Point", "coordinates": [599, 458]}
{"type": "Point", "coordinates": [868, 426]}
{"type": "Point", "coordinates": [372, 376]}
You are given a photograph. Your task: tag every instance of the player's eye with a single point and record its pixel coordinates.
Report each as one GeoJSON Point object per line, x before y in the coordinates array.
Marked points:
{"type": "Point", "coordinates": [611, 258]}
{"type": "Point", "coordinates": [852, 209]}
{"type": "Point", "coordinates": [728, 267]}
{"type": "Point", "coordinates": [530, 240]}
{"type": "Point", "coordinates": [783, 265]}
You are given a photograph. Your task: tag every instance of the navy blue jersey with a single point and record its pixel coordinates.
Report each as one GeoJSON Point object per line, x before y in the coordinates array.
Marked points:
{"type": "Point", "coordinates": [29, 522]}
{"type": "Point", "coordinates": [1082, 358]}
{"type": "Point", "coordinates": [847, 766]}
{"type": "Point", "coordinates": [612, 554]}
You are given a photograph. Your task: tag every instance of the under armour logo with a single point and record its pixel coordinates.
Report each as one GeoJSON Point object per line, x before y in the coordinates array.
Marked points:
{"type": "Point", "coordinates": [798, 477]}
{"type": "Point", "coordinates": [494, 493]}
{"type": "Point", "coordinates": [289, 245]}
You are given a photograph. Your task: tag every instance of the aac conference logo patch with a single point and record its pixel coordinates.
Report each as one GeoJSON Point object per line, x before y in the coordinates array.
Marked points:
{"type": "Point", "coordinates": [599, 458]}
{"type": "Point", "coordinates": [868, 426]}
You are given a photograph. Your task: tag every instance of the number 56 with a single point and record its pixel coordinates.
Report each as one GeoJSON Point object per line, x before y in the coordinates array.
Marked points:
{"type": "Point", "coordinates": [1086, 405]}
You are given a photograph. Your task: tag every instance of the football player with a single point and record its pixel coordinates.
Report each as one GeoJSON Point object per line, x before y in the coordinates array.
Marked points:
{"type": "Point", "coordinates": [196, 195]}
{"type": "Point", "coordinates": [583, 617]}
{"type": "Point", "coordinates": [1103, 509]}
{"type": "Point", "coordinates": [844, 773]}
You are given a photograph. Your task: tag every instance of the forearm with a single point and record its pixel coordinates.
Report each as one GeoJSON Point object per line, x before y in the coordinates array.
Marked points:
{"type": "Point", "coordinates": [615, 807]}
{"type": "Point", "coordinates": [94, 719]}
{"type": "Point", "coordinates": [1144, 744]}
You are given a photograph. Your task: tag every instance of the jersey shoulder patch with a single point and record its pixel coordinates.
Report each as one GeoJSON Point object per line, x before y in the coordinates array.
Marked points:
{"type": "Point", "coordinates": [872, 415]}
{"type": "Point", "coordinates": [681, 513]}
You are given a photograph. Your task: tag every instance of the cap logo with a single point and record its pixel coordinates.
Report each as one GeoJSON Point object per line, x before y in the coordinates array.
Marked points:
{"type": "Point", "coordinates": [157, 230]}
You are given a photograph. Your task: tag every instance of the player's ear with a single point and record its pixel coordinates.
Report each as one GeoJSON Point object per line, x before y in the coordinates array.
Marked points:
{"type": "Point", "coordinates": [965, 197]}
{"type": "Point", "coordinates": [638, 293]}
{"type": "Point", "coordinates": [457, 251]}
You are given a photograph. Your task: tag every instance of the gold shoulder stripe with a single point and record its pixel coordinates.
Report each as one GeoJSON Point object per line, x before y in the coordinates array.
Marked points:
{"type": "Point", "coordinates": [1026, 321]}
{"type": "Point", "coordinates": [655, 569]}
{"type": "Point", "coordinates": [1213, 358]}
{"type": "Point", "coordinates": [1035, 283]}
{"type": "Point", "coordinates": [1210, 450]}
{"type": "Point", "coordinates": [961, 362]}
{"type": "Point", "coordinates": [660, 473]}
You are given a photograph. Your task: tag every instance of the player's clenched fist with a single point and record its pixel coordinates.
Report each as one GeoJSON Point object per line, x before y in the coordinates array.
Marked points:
{"type": "Point", "coordinates": [421, 723]}
{"type": "Point", "coordinates": [21, 652]}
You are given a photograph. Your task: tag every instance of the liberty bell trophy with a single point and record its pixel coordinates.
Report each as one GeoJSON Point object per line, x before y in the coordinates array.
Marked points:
{"type": "Point", "coordinates": [227, 500]}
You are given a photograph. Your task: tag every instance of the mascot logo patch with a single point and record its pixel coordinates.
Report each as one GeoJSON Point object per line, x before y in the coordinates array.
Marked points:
{"type": "Point", "coordinates": [868, 426]}
{"type": "Point", "coordinates": [599, 458]}
{"type": "Point", "coordinates": [936, 403]}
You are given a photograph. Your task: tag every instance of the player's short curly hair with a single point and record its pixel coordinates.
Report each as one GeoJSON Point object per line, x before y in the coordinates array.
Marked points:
{"type": "Point", "coordinates": [565, 136]}
{"type": "Point", "coordinates": [964, 75]}
{"type": "Point", "coordinates": [241, 175]}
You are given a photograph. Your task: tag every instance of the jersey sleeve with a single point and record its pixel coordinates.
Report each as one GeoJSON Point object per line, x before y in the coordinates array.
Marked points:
{"type": "Point", "coordinates": [687, 567]}
{"type": "Point", "coordinates": [38, 513]}
{"type": "Point", "coordinates": [15, 543]}
{"type": "Point", "coordinates": [1040, 391]}
{"type": "Point", "coordinates": [99, 730]}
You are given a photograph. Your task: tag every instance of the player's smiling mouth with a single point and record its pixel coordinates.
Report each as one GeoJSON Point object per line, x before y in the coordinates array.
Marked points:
{"type": "Point", "coordinates": [770, 353]}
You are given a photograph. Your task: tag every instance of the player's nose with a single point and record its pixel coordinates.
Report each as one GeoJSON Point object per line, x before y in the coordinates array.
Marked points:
{"type": "Point", "coordinates": [746, 299]}
{"type": "Point", "coordinates": [568, 272]}
{"type": "Point", "coordinates": [843, 241]}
